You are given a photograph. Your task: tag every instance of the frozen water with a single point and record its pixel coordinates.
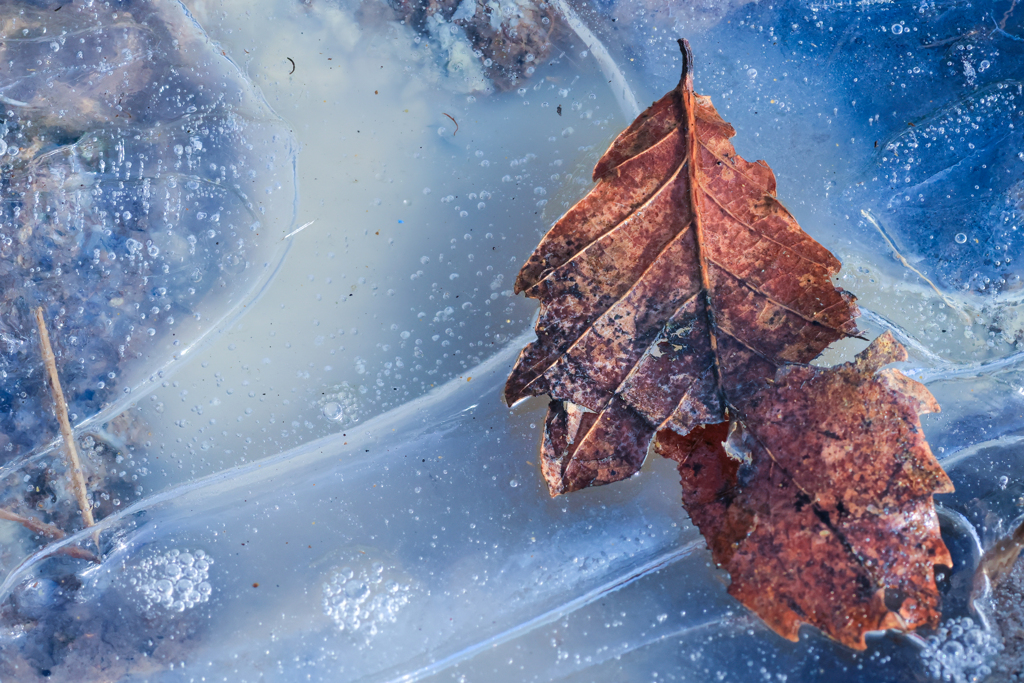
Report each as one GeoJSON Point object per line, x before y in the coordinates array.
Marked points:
{"type": "Point", "coordinates": [146, 188]}
{"type": "Point", "coordinates": [175, 580]}
{"type": "Point", "coordinates": [961, 651]}
{"type": "Point", "coordinates": [413, 538]}
{"type": "Point", "coordinates": [365, 599]}
{"type": "Point", "coordinates": [352, 421]}
{"type": "Point", "coordinates": [1004, 608]}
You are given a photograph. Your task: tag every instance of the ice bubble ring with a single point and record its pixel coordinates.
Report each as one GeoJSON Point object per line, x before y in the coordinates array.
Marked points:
{"type": "Point", "coordinates": [175, 581]}
{"type": "Point", "coordinates": [364, 600]}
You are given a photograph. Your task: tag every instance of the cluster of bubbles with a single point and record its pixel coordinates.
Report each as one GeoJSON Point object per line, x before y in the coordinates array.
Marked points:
{"type": "Point", "coordinates": [175, 580]}
{"type": "Point", "coordinates": [341, 403]}
{"type": "Point", "coordinates": [961, 651]}
{"type": "Point", "coordinates": [363, 601]}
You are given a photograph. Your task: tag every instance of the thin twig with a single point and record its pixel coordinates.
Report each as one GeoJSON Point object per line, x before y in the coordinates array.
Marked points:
{"type": "Point", "coordinates": [44, 529]}
{"type": "Point", "coordinates": [1000, 558]}
{"type": "Point", "coordinates": [453, 121]}
{"type": "Point", "coordinates": [997, 562]}
{"type": "Point", "coordinates": [33, 525]}
{"type": "Point", "coordinates": [78, 553]}
{"type": "Point", "coordinates": [1007, 15]}
{"type": "Point", "coordinates": [61, 408]}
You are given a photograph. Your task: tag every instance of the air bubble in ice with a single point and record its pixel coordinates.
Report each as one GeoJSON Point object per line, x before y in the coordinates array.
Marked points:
{"type": "Point", "coordinates": [960, 238]}
{"type": "Point", "coordinates": [897, 29]}
{"type": "Point", "coordinates": [363, 601]}
{"type": "Point", "coordinates": [960, 651]}
{"type": "Point", "coordinates": [752, 73]}
{"type": "Point", "coordinates": [333, 411]}
{"type": "Point", "coordinates": [356, 589]}
{"type": "Point", "coordinates": [127, 190]}
{"type": "Point", "coordinates": [175, 580]}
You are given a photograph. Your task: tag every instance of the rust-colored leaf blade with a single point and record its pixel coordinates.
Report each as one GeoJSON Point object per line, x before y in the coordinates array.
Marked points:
{"type": "Point", "coordinates": [671, 290]}
{"type": "Point", "coordinates": [819, 504]}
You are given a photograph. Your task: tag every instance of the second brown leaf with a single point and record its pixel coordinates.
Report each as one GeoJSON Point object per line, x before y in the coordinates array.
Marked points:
{"type": "Point", "coordinates": [819, 504]}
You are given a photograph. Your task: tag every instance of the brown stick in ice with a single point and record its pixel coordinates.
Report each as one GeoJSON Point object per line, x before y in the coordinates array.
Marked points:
{"type": "Point", "coordinates": [61, 408]}
{"type": "Point", "coordinates": [44, 529]}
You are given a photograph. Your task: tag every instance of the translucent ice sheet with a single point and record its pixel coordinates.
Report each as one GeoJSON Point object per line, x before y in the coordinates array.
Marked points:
{"type": "Point", "coordinates": [332, 490]}
{"type": "Point", "coordinates": [147, 189]}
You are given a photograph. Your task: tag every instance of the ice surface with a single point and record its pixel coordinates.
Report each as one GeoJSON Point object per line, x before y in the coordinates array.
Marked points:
{"type": "Point", "coordinates": [146, 189]}
{"type": "Point", "coordinates": [365, 507]}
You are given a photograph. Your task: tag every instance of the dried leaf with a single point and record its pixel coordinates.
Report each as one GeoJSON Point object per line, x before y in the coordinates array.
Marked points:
{"type": "Point", "coordinates": [680, 298]}
{"type": "Point", "coordinates": [669, 292]}
{"type": "Point", "coordinates": [819, 504]}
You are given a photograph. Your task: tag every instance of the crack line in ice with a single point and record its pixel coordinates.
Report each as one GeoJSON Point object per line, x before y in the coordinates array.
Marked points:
{"type": "Point", "coordinates": [133, 394]}
{"type": "Point", "coordinates": [299, 229]}
{"type": "Point", "coordinates": [689, 630]}
{"type": "Point", "coordinates": [964, 370]}
{"type": "Point", "coordinates": [949, 369]}
{"type": "Point", "coordinates": [903, 337]}
{"type": "Point", "coordinates": [955, 457]}
{"type": "Point", "coordinates": [623, 93]}
{"type": "Point", "coordinates": [552, 615]}
{"type": "Point", "coordinates": [262, 467]}
{"type": "Point", "coordinates": [906, 264]}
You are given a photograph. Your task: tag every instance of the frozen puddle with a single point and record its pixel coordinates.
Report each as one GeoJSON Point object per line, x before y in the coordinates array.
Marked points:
{"type": "Point", "coordinates": [372, 552]}
{"type": "Point", "coordinates": [330, 489]}
{"type": "Point", "coordinates": [147, 187]}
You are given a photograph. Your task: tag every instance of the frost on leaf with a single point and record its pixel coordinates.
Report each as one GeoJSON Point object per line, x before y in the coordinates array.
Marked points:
{"type": "Point", "coordinates": [819, 502]}
{"type": "Point", "coordinates": [667, 294]}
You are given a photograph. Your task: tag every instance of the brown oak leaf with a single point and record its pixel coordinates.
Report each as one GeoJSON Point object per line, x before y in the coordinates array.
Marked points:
{"type": "Point", "coordinates": [679, 298]}
{"type": "Point", "coordinates": [819, 503]}
{"type": "Point", "coordinates": [668, 294]}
